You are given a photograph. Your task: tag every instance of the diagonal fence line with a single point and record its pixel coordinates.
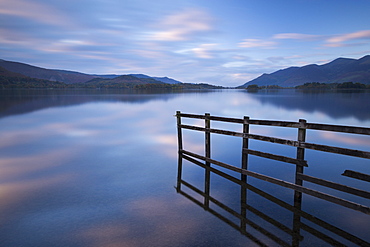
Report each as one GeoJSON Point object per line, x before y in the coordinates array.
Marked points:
{"type": "Point", "coordinates": [283, 183]}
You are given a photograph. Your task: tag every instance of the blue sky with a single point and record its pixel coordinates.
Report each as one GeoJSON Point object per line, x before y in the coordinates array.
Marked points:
{"type": "Point", "coordinates": [213, 41]}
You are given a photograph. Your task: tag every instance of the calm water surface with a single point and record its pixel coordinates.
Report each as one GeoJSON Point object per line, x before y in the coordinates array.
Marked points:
{"type": "Point", "coordinates": [99, 168]}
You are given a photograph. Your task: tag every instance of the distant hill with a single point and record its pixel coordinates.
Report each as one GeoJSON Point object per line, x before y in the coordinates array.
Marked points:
{"type": "Point", "coordinates": [32, 77]}
{"type": "Point", "coordinates": [338, 71]}
{"type": "Point", "coordinates": [69, 77]}
{"type": "Point", "coordinates": [8, 74]}
{"type": "Point", "coordinates": [140, 75]}
{"type": "Point", "coordinates": [167, 80]}
{"type": "Point", "coordinates": [162, 79]}
{"type": "Point", "coordinates": [10, 79]}
{"type": "Point", "coordinates": [109, 76]}
{"type": "Point", "coordinates": [121, 80]}
{"type": "Point", "coordinates": [140, 81]}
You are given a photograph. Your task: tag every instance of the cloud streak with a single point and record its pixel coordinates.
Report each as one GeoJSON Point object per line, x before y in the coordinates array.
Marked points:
{"type": "Point", "coordinates": [340, 40]}
{"type": "Point", "coordinates": [254, 43]}
{"type": "Point", "coordinates": [182, 26]}
{"type": "Point", "coordinates": [298, 36]}
{"type": "Point", "coordinates": [34, 11]}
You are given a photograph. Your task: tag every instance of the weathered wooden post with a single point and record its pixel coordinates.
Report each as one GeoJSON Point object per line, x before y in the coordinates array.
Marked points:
{"type": "Point", "coordinates": [207, 139]}
{"type": "Point", "coordinates": [298, 181]}
{"type": "Point", "coordinates": [179, 144]}
{"type": "Point", "coordinates": [300, 150]}
{"type": "Point", "coordinates": [243, 192]}
{"type": "Point", "coordinates": [245, 146]}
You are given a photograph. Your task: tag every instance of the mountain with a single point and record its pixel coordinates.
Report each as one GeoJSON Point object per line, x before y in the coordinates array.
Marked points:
{"type": "Point", "coordinates": [109, 76]}
{"type": "Point", "coordinates": [4, 73]}
{"type": "Point", "coordinates": [140, 81]}
{"type": "Point", "coordinates": [68, 77]}
{"type": "Point", "coordinates": [10, 79]}
{"type": "Point", "coordinates": [162, 79]}
{"type": "Point", "coordinates": [167, 80]}
{"type": "Point", "coordinates": [140, 75]}
{"type": "Point", "coordinates": [337, 71]}
{"type": "Point", "coordinates": [123, 79]}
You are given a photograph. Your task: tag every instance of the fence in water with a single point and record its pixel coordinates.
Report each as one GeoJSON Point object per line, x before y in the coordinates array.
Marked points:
{"type": "Point", "coordinates": [298, 186]}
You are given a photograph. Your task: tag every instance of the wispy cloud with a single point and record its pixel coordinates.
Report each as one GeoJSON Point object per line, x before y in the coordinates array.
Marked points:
{"type": "Point", "coordinates": [299, 36]}
{"type": "Point", "coordinates": [204, 51]}
{"type": "Point", "coordinates": [235, 64]}
{"type": "Point", "coordinates": [340, 40]}
{"type": "Point", "coordinates": [182, 26]}
{"type": "Point", "coordinates": [12, 37]}
{"type": "Point", "coordinates": [365, 34]}
{"type": "Point", "coordinates": [253, 43]}
{"type": "Point", "coordinates": [41, 13]}
{"type": "Point", "coordinates": [244, 76]}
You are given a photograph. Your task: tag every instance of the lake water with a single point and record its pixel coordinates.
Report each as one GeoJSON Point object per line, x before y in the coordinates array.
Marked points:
{"type": "Point", "coordinates": [99, 168]}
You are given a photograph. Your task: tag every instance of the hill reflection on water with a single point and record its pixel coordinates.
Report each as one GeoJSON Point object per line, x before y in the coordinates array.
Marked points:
{"type": "Point", "coordinates": [338, 104]}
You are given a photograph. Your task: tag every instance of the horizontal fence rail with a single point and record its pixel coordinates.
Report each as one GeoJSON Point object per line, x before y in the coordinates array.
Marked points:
{"type": "Point", "coordinates": [313, 126]}
{"type": "Point", "coordinates": [298, 161]}
{"type": "Point", "coordinates": [325, 148]}
{"type": "Point", "coordinates": [289, 185]}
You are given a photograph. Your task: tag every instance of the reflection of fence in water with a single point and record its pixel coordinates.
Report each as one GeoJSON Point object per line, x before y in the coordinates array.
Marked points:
{"type": "Point", "coordinates": [244, 207]}
{"type": "Point", "coordinates": [297, 186]}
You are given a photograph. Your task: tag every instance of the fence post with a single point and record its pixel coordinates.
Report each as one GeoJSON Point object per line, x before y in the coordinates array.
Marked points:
{"type": "Point", "coordinates": [245, 147]}
{"type": "Point", "coordinates": [300, 151]}
{"type": "Point", "coordinates": [179, 143]}
{"type": "Point", "coordinates": [243, 192]}
{"type": "Point", "coordinates": [207, 139]}
{"type": "Point", "coordinates": [298, 195]}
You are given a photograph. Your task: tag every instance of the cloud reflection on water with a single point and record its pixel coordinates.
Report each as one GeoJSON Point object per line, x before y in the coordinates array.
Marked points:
{"type": "Point", "coordinates": [106, 169]}
{"type": "Point", "coordinates": [346, 139]}
{"type": "Point", "coordinates": [156, 221]}
{"type": "Point", "coordinates": [13, 194]}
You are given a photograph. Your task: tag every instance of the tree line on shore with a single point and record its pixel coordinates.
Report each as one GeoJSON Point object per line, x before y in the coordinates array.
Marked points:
{"type": "Point", "coordinates": [315, 85]}
{"type": "Point", "coordinates": [28, 82]}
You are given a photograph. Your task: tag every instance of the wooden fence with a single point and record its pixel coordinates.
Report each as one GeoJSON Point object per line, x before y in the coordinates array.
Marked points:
{"type": "Point", "coordinates": [298, 186]}
{"type": "Point", "coordinates": [298, 161]}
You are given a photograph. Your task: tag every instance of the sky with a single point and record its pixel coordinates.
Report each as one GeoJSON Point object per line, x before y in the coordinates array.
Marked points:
{"type": "Point", "coordinates": [220, 42]}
